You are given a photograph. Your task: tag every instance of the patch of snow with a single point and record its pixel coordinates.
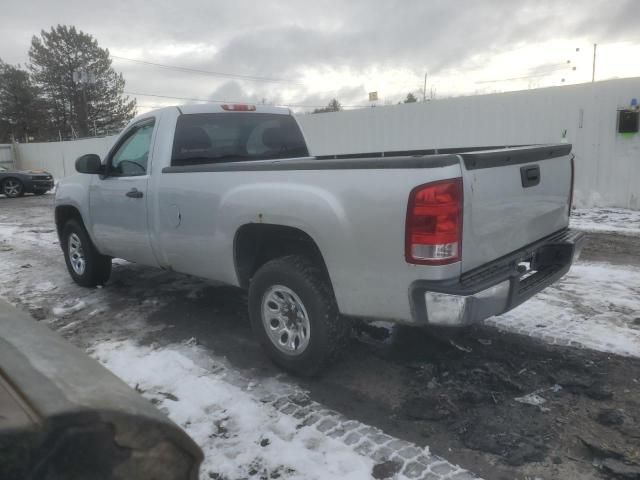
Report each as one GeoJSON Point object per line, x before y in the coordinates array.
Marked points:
{"type": "Point", "coordinates": [594, 306]}
{"type": "Point", "coordinates": [44, 287]}
{"type": "Point", "coordinates": [39, 237]}
{"type": "Point", "coordinates": [236, 431]}
{"type": "Point", "coordinates": [68, 308]}
{"type": "Point", "coordinates": [619, 220]}
{"type": "Point", "coordinates": [70, 326]}
{"type": "Point", "coordinates": [8, 229]}
{"type": "Point", "coordinates": [531, 399]}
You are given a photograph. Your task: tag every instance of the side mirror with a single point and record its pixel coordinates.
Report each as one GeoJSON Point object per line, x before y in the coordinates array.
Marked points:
{"type": "Point", "coordinates": [89, 163]}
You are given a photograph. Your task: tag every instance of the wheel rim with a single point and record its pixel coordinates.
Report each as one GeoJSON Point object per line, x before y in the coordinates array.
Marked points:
{"type": "Point", "coordinates": [12, 188]}
{"type": "Point", "coordinates": [76, 254]}
{"type": "Point", "coordinates": [285, 320]}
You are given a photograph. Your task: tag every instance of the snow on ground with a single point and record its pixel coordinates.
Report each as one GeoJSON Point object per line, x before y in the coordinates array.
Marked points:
{"type": "Point", "coordinates": [229, 416]}
{"type": "Point", "coordinates": [619, 220]}
{"type": "Point", "coordinates": [594, 306]}
{"type": "Point", "coordinates": [237, 432]}
{"type": "Point", "coordinates": [261, 430]}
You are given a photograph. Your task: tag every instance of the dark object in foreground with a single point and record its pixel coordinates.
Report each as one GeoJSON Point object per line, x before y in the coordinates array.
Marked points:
{"type": "Point", "coordinates": [63, 415]}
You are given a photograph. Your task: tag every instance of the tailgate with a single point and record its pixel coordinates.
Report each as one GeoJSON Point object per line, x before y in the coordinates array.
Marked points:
{"type": "Point", "coordinates": [513, 197]}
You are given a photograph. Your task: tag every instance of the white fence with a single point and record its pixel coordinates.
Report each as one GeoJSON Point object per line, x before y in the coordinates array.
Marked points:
{"type": "Point", "coordinates": [59, 158]}
{"type": "Point", "coordinates": [6, 156]}
{"type": "Point", "coordinates": [608, 163]}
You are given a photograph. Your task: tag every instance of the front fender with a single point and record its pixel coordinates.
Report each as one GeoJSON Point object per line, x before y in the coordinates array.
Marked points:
{"type": "Point", "coordinates": [73, 191]}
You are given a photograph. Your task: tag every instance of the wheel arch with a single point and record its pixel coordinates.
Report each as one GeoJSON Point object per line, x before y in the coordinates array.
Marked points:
{"type": "Point", "coordinates": [64, 213]}
{"type": "Point", "coordinates": [257, 243]}
{"type": "Point", "coordinates": [12, 177]}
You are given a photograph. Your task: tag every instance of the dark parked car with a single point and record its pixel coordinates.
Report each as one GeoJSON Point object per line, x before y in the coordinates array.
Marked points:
{"type": "Point", "coordinates": [15, 183]}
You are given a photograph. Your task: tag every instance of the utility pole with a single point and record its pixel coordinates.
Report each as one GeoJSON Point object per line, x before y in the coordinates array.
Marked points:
{"type": "Point", "coordinates": [424, 89]}
{"type": "Point", "coordinates": [593, 72]}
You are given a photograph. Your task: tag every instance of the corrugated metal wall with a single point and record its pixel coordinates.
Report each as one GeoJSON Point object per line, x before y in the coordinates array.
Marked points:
{"type": "Point", "coordinates": [6, 156]}
{"type": "Point", "coordinates": [608, 163]}
{"type": "Point", "coordinates": [59, 158]}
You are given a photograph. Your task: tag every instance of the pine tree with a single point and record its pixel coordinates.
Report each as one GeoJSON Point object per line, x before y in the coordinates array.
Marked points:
{"type": "Point", "coordinates": [411, 98]}
{"type": "Point", "coordinates": [332, 106]}
{"type": "Point", "coordinates": [21, 109]}
{"type": "Point", "coordinates": [81, 90]}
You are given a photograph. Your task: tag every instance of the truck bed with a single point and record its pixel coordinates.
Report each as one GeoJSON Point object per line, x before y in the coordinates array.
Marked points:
{"type": "Point", "coordinates": [500, 214]}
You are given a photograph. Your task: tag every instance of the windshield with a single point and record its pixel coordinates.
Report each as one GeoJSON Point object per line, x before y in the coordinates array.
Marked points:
{"type": "Point", "coordinates": [224, 137]}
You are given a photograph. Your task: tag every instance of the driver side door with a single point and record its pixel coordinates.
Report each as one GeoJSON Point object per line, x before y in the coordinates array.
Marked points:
{"type": "Point", "coordinates": [118, 199]}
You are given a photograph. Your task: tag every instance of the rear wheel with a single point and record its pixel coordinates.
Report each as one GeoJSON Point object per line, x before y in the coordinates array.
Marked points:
{"type": "Point", "coordinates": [85, 264]}
{"type": "Point", "coordinates": [12, 188]}
{"type": "Point", "coordinates": [295, 316]}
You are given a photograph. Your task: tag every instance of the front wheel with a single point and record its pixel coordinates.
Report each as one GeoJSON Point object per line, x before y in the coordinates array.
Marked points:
{"type": "Point", "coordinates": [12, 188]}
{"type": "Point", "coordinates": [85, 264]}
{"type": "Point", "coordinates": [294, 315]}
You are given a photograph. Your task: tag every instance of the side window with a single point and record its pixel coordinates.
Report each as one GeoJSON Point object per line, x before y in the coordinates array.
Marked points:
{"type": "Point", "coordinates": [132, 155]}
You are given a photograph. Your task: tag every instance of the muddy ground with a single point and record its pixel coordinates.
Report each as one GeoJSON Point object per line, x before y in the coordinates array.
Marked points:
{"type": "Point", "coordinates": [457, 395]}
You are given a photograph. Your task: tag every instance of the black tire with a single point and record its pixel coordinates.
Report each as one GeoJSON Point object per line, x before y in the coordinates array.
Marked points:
{"type": "Point", "coordinates": [329, 331]}
{"type": "Point", "coordinates": [12, 188]}
{"type": "Point", "coordinates": [97, 267]}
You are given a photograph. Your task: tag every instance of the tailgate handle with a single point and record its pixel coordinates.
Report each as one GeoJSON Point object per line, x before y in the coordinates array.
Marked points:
{"type": "Point", "coordinates": [530, 175]}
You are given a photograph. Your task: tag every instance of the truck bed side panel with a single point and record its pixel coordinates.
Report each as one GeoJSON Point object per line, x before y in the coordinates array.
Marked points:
{"type": "Point", "coordinates": [356, 217]}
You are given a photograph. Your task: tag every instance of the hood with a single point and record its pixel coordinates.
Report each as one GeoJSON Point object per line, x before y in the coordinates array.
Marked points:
{"type": "Point", "coordinates": [27, 172]}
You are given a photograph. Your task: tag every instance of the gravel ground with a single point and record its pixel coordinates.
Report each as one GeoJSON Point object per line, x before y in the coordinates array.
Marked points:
{"type": "Point", "coordinates": [543, 395]}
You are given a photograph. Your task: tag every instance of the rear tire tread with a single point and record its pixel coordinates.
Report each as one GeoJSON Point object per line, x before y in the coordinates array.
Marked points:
{"type": "Point", "coordinates": [336, 328]}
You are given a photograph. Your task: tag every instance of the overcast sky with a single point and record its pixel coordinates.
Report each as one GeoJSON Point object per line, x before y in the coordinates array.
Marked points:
{"type": "Point", "coordinates": [318, 50]}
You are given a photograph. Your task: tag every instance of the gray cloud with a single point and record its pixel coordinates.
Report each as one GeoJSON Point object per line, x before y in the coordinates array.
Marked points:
{"type": "Point", "coordinates": [288, 37]}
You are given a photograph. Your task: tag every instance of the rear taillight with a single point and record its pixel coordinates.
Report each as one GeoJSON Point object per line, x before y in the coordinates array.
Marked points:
{"type": "Point", "coordinates": [433, 234]}
{"type": "Point", "coordinates": [239, 107]}
{"type": "Point", "coordinates": [573, 179]}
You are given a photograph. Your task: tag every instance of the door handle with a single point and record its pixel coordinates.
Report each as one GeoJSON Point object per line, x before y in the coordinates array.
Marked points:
{"type": "Point", "coordinates": [134, 193]}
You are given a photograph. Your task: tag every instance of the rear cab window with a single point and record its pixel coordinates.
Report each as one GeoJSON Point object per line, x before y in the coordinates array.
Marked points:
{"type": "Point", "coordinates": [203, 138]}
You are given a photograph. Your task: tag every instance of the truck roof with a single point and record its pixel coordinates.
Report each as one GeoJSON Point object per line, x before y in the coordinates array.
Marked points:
{"type": "Point", "coordinates": [229, 108]}
{"type": "Point", "coordinates": [220, 108]}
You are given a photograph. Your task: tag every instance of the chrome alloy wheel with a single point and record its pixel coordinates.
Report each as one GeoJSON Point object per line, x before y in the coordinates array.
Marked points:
{"type": "Point", "coordinates": [12, 188]}
{"type": "Point", "coordinates": [285, 320]}
{"type": "Point", "coordinates": [76, 254]}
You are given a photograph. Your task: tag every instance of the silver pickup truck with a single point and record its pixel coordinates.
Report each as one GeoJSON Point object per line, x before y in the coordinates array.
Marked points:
{"type": "Point", "coordinates": [229, 193]}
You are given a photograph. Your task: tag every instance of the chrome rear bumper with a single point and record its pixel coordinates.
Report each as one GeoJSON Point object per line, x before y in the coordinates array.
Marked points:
{"type": "Point", "coordinates": [498, 286]}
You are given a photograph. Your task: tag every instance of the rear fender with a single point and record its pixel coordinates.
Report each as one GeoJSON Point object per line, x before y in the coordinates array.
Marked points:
{"type": "Point", "coordinates": [312, 210]}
